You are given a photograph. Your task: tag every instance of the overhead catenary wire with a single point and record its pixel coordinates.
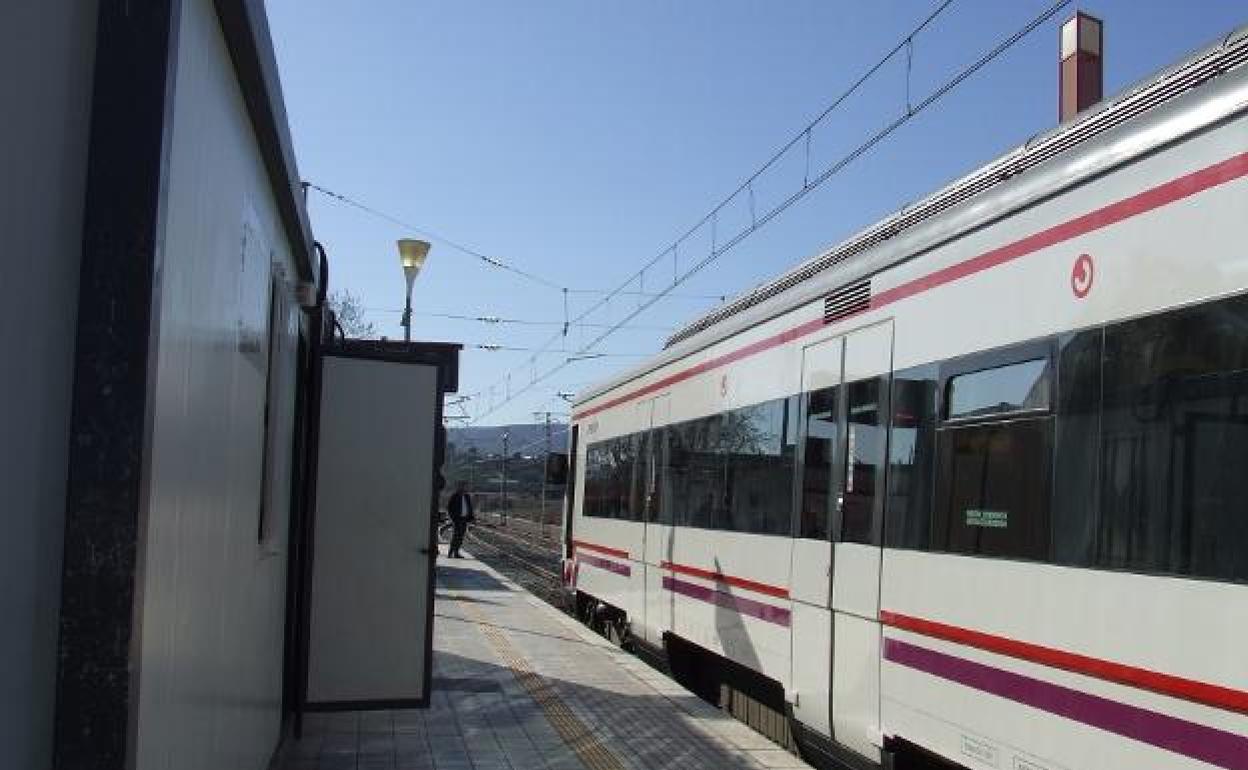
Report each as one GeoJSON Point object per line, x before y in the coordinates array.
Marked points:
{"type": "Point", "coordinates": [492, 320]}
{"type": "Point", "coordinates": [430, 234]}
{"type": "Point", "coordinates": [809, 183]}
{"type": "Point", "coordinates": [487, 259]}
{"type": "Point", "coordinates": [712, 217]}
{"type": "Point", "coordinates": [490, 346]}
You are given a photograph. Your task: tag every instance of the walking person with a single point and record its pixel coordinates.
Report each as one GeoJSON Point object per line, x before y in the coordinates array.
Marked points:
{"type": "Point", "coordinates": [459, 508]}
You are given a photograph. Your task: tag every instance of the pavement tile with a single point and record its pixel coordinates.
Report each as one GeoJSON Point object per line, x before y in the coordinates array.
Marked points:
{"type": "Point", "coordinates": [485, 718]}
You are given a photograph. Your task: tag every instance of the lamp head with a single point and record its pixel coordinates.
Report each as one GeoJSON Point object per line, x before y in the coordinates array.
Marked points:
{"type": "Point", "coordinates": [412, 255]}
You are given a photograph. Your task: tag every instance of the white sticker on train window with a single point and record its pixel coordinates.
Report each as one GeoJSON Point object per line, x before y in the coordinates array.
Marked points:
{"type": "Point", "coordinates": [977, 517]}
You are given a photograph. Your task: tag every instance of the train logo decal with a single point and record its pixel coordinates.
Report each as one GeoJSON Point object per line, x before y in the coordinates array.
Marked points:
{"type": "Point", "coordinates": [1081, 276]}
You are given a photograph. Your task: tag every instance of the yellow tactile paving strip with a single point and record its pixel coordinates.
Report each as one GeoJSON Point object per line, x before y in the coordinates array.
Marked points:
{"type": "Point", "coordinates": [570, 728]}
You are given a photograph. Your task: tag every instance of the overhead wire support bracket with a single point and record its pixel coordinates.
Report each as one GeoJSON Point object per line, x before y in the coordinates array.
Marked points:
{"type": "Point", "coordinates": [808, 185]}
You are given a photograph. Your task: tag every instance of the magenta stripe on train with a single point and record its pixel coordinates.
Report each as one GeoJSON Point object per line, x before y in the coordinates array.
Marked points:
{"type": "Point", "coordinates": [1207, 744]}
{"type": "Point", "coordinates": [761, 610]}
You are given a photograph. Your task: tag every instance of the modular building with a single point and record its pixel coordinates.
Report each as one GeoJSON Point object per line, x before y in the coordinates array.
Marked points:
{"type": "Point", "coordinates": [161, 322]}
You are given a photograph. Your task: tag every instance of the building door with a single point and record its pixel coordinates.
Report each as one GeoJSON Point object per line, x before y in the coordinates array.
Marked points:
{"type": "Point", "coordinates": [371, 607]}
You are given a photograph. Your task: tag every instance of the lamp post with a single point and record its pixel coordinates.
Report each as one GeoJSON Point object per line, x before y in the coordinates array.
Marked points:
{"type": "Point", "coordinates": [412, 254]}
{"type": "Point", "coordinates": [502, 486]}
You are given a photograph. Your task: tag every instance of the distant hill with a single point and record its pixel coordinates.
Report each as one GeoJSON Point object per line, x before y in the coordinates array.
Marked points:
{"type": "Point", "coordinates": [525, 438]}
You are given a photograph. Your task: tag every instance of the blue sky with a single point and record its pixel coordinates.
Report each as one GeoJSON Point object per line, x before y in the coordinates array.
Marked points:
{"type": "Point", "coordinates": [578, 139]}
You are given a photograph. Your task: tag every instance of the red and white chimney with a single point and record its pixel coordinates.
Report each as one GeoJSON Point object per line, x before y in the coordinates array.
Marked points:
{"type": "Point", "coordinates": [1081, 72]}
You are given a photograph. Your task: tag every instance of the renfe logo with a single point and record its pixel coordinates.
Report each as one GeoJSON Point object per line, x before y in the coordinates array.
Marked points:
{"type": "Point", "coordinates": [1081, 276]}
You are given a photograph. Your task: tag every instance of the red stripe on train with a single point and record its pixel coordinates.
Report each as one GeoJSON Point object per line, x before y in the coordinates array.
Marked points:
{"type": "Point", "coordinates": [600, 548]}
{"type": "Point", "coordinates": [719, 577]}
{"type": "Point", "coordinates": [1141, 203]}
{"type": "Point", "coordinates": [1119, 673]}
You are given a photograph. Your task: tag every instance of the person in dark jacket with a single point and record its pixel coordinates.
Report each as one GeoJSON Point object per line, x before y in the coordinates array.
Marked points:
{"type": "Point", "coordinates": [459, 508]}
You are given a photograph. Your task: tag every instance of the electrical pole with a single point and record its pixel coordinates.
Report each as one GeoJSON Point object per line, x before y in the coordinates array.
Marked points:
{"type": "Point", "coordinates": [546, 460]}
{"type": "Point", "coordinates": [502, 484]}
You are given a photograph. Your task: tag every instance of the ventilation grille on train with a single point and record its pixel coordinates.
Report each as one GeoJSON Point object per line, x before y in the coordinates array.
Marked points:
{"type": "Point", "coordinates": [846, 301]}
{"type": "Point", "coordinates": [1232, 53]}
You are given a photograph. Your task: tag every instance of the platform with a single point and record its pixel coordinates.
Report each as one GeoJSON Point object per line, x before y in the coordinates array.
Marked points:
{"type": "Point", "coordinates": [517, 684]}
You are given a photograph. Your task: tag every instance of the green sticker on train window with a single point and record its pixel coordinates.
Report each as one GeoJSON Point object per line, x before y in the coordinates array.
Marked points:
{"type": "Point", "coordinates": [976, 517]}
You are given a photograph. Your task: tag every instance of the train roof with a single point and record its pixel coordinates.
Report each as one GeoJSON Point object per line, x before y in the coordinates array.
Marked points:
{"type": "Point", "coordinates": [1154, 112]}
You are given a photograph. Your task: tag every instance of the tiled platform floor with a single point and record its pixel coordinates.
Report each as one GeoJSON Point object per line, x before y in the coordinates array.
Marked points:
{"type": "Point", "coordinates": [519, 685]}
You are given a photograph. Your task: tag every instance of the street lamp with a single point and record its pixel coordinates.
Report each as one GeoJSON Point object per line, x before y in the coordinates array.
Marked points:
{"type": "Point", "coordinates": [412, 254]}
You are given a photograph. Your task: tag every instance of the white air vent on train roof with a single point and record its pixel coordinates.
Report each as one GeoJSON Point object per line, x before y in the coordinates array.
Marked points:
{"type": "Point", "coordinates": [846, 301]}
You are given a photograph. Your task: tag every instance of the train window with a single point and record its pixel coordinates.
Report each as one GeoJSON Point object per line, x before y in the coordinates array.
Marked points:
{"type": "Point", "coordinates": [866, 438]}
{"type": "Point", "coordinates": [822, 429]}
{"type": "Point", "coordinates": [1174, 432]}
{"type": "Point", "coordinates": [911, 453]}
{"type": "Point", "coordinates": [758, 450]}
{"type": "Point", "coordinates": [1016, 387]}
{"type": "Point", "coordinates": [643, 479]}
{"type": "Point", "coordinates": [698, 480]}
{"type": "Point", "coordinates": [1076, 446]}
{"type": "Point", "coordinates": [609, 478]}
{"type": "Point", "coordinates": [992, 488]}
{"type": "Point", "coordinates": [569, 492]}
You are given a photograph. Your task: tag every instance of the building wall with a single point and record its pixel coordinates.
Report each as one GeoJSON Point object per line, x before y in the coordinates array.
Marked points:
{"type": "Point", "coordinates": [46, 54]}
{"type": "Point", "coordinates": [210, 627]}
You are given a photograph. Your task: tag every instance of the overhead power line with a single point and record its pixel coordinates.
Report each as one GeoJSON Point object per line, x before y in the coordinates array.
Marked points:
{"type": "Point", "coordinates": [580, 355]}
{"type": "Point", "coordinates": [674, 249]}
{"type": "Point", "coordinates": [493, 320]}
{"type": "Point", "coordinates": [430, 234]}
{"type": "Point", "coordinates": [494, 262]}
{"type": "Point", "coordinates": [809, 183]}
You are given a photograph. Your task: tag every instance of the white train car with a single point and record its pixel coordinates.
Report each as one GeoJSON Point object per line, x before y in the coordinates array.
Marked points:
{"type": "Point", "coordinates": [975, 482]}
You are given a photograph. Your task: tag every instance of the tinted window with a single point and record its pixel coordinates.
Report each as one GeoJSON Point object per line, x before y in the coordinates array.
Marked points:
{"type": "Point", "coordinates": [992, 488]}
{"type": "Point", "coordinates": [911, 453]}
{"type": "Point", "coordinates": [703, 501]}
{"type": "Point", "coordinates": [1076, 449]}
{"type": "Point", "coordinates": [866, 438]}
{"type": "Point", "coordinates": [610, 484]}
{"type": "Point", "coordinates": [1011, 388]}
{"type": "Point", "coordinates": [1174, 438]}
{"type": "Point", "coordinates": [730, 471]}
{"type": "Point", "coordinates": [822, 432]}
{"type": "Point", "coordinates": [758, 450]}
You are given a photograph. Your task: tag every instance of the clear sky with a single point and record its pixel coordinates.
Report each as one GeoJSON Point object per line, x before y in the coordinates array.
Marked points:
{"type": "Point", "coordinates": [577, 139]}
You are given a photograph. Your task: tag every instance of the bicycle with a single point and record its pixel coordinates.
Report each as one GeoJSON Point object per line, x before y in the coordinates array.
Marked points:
{"type": "Point", "coordinates": [445, 528]}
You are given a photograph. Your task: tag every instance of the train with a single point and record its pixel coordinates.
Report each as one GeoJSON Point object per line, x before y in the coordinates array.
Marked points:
{"type": "Point", "coordinates": [970, 487]}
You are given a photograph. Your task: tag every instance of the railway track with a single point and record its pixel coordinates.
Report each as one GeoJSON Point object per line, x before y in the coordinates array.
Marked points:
{"type": "Point", "coordinates": [529, 562]}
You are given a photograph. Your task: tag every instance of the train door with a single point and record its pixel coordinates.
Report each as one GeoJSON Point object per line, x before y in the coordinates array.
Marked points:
{"type": "Point", "coordinates": [820, 428]}
{"type": "Point", "coordinates": [856, 535]}
{"type": "Point", "coordinates": [656, 538]}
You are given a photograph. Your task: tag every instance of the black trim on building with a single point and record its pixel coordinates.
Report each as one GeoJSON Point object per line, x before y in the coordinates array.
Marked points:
{"type": "Point", "coordinates": [110, 424]}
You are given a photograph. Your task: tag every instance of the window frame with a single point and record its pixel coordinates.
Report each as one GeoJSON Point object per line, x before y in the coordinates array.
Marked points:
{"type": "Point", "coordinates": [1045, 349]}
